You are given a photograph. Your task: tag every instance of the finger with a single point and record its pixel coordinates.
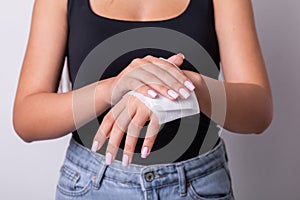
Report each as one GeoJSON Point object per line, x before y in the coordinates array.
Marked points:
{"type": "Point", "coordinates": [178, 74]}
{"type": "Point", "coordinates": [125, 84]}
{"type": "Point", "coordinates": [129, 148]}
{"type": "Point", "coordinates": [147, 91]}
{"type": "Point", "coordinates": [98, 141]}
{"type": "Point", "coordinates": [133, 133]}
{"type": "Point", "coordinates": [116, 136]}
{"type": "Point", "coordinates": [182, 77]}
{"type": "Point", "coordinates": [138, 74]}
{"type": "Point", "coordinates": [167, 78]}
{"type": "Point", "coordinates": [110, 118]}
{"type": "Point", "coordinates": [135, 84]}
{"type": "Point", "coordinates": [106, 125]}
{"type": "Point", "coordinates": [151, 134]}
{"type": "Point", "coordinates": [155, 83]}
{"type": "Point", "coordinates": [177, 59]}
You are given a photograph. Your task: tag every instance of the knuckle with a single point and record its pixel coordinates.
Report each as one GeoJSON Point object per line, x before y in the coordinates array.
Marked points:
{"type": "Point", "coordinates": [131, 109]}
{"type": "Point", "coordinates": [120, 126]}
{"type": "Point", "coordinates": [138, 123]}
{"type": "Point", "coordinates": [181, 76]}
{"type": "Point", "coordinates": [147, 76]}
{"type": "Point", "coordinates": [163, 74]}
{"type": "Point", "coordinates": [139, 62]}
{"type": "Point", "coordinates": [133, 130]}
{"type": "Point", "coordinates": [146, 111]}
{"type": "Point", "coordinates": [131, 82]}
{"type": "Point", "coordinates": [116, 131]}
{"type": "Point", "coordinates": [148, 57]}
{"type": "Point", "coordinates": [162, 88]}
{"type": "Point", "coordinates": [104, 127]}
{"type": "Point", "coordinates": [129, 148]}
{"type": "Point", "coordinates": [112, 148]}
{"type": "Point", "coordinates": [136, 61]}
{"type": "Point", "coordinates": [130, 112]}
{"type": "Point", "coordinates": [177, 85]}
{"type": "Point", "coordinates": [149, 140]}
{"type": "Point", "coordinates": [142, 89]}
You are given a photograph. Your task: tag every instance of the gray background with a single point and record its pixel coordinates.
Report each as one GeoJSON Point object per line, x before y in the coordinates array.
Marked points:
{"type": "Point", "coordinates": [263, 166]}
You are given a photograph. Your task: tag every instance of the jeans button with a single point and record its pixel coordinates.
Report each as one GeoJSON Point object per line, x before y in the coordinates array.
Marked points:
{"type": "Point", "coordinates": [149, 176]}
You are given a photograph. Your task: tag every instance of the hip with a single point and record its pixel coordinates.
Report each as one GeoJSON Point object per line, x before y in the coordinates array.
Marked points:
{"type": "Point", "coordinates": [84, 175]}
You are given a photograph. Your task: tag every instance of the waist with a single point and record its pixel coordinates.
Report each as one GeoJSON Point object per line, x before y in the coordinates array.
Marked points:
{"type": "Point", "coordinates": [154, 175]}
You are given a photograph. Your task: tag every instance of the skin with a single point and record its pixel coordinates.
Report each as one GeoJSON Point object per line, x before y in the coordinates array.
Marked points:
{"type": "Point", "coordinates": [248, 93]}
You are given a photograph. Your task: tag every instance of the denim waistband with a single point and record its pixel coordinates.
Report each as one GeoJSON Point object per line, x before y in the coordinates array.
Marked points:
{"type": "Point", "coordinates": [150, 176]}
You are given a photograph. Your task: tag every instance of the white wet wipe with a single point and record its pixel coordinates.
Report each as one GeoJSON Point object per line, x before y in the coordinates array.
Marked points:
{"type": "Point", "coordinates": [168, 110]}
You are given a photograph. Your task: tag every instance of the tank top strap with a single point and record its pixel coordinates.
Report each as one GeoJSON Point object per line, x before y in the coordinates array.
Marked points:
{"type": "Point", "coordinates": [75, 5]}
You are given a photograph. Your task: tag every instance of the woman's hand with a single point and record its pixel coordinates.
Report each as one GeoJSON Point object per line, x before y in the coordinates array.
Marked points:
{"type": "Point", "coordinates": [131, 114]}
{"type": "Point", "coordinates": [151, 75]}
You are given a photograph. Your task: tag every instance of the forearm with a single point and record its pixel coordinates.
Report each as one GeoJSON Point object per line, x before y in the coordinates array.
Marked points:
{"type": "Point", "coordinates": [50, 115]}
{"type": "Point", "coordinates": [248, 107]}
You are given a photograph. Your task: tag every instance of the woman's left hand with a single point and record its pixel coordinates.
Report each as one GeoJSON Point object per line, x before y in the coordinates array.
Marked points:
{"type": "Point", "coordinates": [131, 114]}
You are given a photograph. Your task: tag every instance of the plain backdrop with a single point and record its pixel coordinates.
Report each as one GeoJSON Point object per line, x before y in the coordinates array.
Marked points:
{"type": "Point", "coordinates": [263, 167]}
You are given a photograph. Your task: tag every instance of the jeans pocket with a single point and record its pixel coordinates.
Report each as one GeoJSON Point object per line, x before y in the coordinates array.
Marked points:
{"type": "Point", "coordinates": [214, 185]}
{"type": "Point", "coordinates": [74, 182]}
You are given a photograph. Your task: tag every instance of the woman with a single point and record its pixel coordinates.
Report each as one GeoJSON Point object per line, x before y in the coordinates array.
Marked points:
{"type": "Point", "coordinates": [72, 28]}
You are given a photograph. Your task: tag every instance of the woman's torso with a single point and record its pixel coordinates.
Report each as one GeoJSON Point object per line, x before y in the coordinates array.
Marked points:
{"type": "Point", "coordinates": [88, 29]}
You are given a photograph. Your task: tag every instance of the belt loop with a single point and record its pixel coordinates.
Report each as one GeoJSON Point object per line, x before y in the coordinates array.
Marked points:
{"type": "Point", "coordinates": [98, 178]}
{"type": "Point", "coordinates": [181, 179]}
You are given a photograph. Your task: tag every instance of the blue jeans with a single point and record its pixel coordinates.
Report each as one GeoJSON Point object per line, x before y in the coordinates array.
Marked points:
{"type": "Point", "coordinates": [84, 176]}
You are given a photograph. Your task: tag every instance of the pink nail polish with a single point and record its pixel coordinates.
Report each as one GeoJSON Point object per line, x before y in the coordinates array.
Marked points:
{"type": "Point", "coordinates": [95, 146]}
{"type": "Point", "coordinates": [173, 94]}
{"type": "Point", "coordinates": [181, 54]}
{"type": "Point", "coordinates": [184, 93]}
{"type": "Point", "coordinates": [152, 93]}
{"type": "Point", "coordinates": [125, 160]}
{"type": "Point", "coordinates": [145, 152]}
{"type": "Point", "coordinates": [189, 85]}
{"type": "Point", "coordinates": [108, 158]}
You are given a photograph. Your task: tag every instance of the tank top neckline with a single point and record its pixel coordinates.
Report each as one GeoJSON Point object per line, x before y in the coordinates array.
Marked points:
{"type": "Point", "coordinates": [182, 14]}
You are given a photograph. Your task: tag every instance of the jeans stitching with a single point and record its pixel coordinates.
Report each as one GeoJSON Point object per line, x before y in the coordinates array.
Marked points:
{"type": "Point", "coordinates": [81, 192]}
{"type": "Point", "coordinates": [79, 165]}
{"type": "Point", "coordinates": [196, 196]}
{"type": "Point", "coordinates": [207, 172]}
{"type": "Point", "coordinates": [119, 181]}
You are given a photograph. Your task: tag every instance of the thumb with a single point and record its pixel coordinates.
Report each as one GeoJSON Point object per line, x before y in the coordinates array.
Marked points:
{"type": "Point", "coordinates": [177, 59]}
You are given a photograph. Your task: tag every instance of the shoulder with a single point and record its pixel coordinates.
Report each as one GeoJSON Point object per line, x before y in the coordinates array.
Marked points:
{"type": "Point", "coordinates": [52, 5]}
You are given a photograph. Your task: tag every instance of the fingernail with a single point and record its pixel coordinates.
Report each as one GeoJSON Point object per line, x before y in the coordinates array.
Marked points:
{"type": "Point", "coordinates": [181, 54]}
{"type": "Point", "coordinates": [189, 85]}
{"type": "Point", "coordinates": [125, 160]}
{"type": "Point", "coordinates": [95, 146]}
{"type": "Point", "coordinates": [108, 158]}
{"type": "Point", "coordinates": [144, 152]}
{"type": "Point", "coordinates": [184, 93]}
{"type": "Point", "coordinates": [152, 93]}
{"type": "Point", "coordinates": [173, 94]}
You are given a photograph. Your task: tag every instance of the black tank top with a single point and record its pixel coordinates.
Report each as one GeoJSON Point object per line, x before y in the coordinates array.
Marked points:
{"type": "Point", "coordinates": [87, 30]}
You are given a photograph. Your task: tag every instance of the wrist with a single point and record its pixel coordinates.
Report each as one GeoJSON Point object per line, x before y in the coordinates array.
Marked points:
{"type": "Point", "coordinates": [104, 90]}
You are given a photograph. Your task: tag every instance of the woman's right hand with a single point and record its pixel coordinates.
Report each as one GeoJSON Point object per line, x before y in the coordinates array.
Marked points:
{"type": "Point", "coordinates": [150, 76]}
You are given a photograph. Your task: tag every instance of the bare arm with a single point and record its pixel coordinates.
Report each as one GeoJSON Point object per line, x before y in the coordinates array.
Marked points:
{"type": "Point", "coordinates": [39, 112]}
{"type": "Point", "coordinates": [249, 98]}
